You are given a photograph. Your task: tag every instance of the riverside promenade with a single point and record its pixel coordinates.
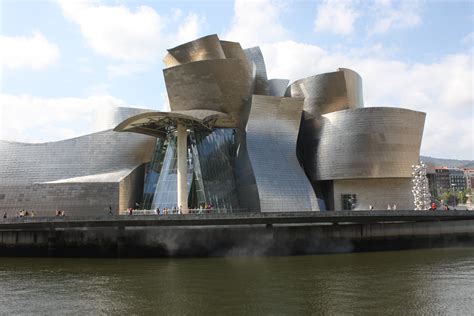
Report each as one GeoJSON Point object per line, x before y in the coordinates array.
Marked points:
{"type": "Point", "coordinates": [215, 219]}
{"type": "Point", "coordinates": [185, 235]}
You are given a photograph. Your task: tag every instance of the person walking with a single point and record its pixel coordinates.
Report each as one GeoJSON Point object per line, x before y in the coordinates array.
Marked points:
{"type": "Point", "coordinates": [371, 207]}
{"type": "Point", "coordinates": [388, 207]}
{"type": "Point", "coordinates": [394, 207]}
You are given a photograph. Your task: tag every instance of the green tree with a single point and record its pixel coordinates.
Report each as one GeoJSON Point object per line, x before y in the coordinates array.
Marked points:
{"type": "Point", "coordinates": [462, 196]}
{"type": "Point", "coordinates": [445, 197]}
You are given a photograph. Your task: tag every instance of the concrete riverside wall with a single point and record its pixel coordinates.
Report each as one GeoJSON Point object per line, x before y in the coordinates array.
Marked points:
{"type": "Point", "coordinates": [233, 240]}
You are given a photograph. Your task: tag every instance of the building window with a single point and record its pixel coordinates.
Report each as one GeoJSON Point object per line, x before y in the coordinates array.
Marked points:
{"type": "Point", "coordinates": [349, 201]}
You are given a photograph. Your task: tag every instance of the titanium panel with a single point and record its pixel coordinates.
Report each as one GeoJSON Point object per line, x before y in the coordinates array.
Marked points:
{"type": "Point", "coordinates": [353, 87]}
{"type": "Point", "coordinates": [376, 142]}
{"type": "Point", "coordinates": [324, 93]}
{"type": "Point", "coordinates": [254, 54]}
{"type": "Point", "coordinates": [272, 131]}
{"type": "Point", "coordinates": [170, 61]}
{"type": "Point", "coordinates": [277, 87]}
{"type": "Point", "coordinates": [76, 174]}
{"type": "Point", "coordinates": [233, 50]}
{"type": "Point", "coordinates": [222, 85]}
{"type": "Point", "coordinates": [329, 92]}
{"type": "Point", "coordinates": [93, 154]}
{"type": "Point", "coordinates": [204, 48]}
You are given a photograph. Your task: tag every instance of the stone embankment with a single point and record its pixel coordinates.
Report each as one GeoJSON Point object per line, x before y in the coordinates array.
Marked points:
{"type": "Point", "coordinates": [286, 233]}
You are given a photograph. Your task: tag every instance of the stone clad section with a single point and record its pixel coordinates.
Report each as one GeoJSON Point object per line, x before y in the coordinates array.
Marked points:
{"type": "Point", "coordinates": [367, 143]}
{"type": "Point", "coordinates": [376, 192]}
{"type": "Point", "coordinates": [272, 131]}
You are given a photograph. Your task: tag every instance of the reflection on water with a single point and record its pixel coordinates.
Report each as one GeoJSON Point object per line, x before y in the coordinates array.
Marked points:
{"type": "Point", "coordinates": [438, 281]}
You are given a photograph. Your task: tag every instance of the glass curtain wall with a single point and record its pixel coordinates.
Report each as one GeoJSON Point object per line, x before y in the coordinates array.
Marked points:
{"type": "Point", "coordinates": [166, 194]}
{"type": "Point", "coordinates": [211, 159]}
{"type": "Point", "coordinates": [216, 155]}
{"type": "Point", "coordinates": [152, 172]}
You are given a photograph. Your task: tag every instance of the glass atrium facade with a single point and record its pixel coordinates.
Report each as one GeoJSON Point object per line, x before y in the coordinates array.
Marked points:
{"type": "Point", "coordinates": [211, 180]}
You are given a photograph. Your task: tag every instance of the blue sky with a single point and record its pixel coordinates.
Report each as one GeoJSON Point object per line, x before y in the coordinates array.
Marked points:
{"type": "Point", "coordinates": [63, 63]}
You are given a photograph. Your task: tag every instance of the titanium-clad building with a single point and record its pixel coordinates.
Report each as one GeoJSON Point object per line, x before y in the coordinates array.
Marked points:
{"type": "Point", "coordinates": [233, 140]}
{"type": "Point", "coordinates": [84, 175]}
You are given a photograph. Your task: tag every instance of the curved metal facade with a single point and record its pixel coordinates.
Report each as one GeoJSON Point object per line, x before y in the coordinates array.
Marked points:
{"type": "Point", "coordinates": [81, 175]}
{"type": "Point", "coordinates": [277, 87]}
{"type": "Point", "coordinates": [233, 50]}
{"type": "Point", "coordinates": [365, 143]}
{"type": "Point", "coordinates": [237, 144]}
{"type": "Point", "coordinates": [272, 131]}
{"type": "Point", "coordinates": [254, 54]}
{"type": "Point", "coordinates": [204, 48]}
{"type": "Point", "coordinates": [329, 92]}
{"type": "Point", "coordinates": [222, 85]}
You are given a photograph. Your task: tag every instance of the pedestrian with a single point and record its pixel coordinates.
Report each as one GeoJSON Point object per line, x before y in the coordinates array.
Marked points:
{"type": "Point", "coordinates": [394, 207]}
{"type": "Point", "coordinates": [371, 207]}
{"type": "Point", "coordinates": [5, 215]}
{"type": "Point", "coordinates": [388, 207]}
{"type": "Point", "coordinates": [110, 210]}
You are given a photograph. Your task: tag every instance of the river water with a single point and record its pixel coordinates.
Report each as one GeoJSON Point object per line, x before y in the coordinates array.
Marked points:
{"type": "Point", "coordinates": [436, 281]}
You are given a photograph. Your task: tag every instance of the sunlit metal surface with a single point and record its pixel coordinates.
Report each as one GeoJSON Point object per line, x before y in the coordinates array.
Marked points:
{"type": "Point", "coordinates": [277, 87]}
{"type": "Point", "coordinates": [222, 85]}
{"type": "Point", "coordinates": [272, 131]}
{"type": "Point", "coordinates": [329, 92]}
{"type": "Point", "coordinates": [80, 175]}
{"type": "Point", "coordinates": [204, 48]}
{"type": "Point", "coordinates": [254, 54]}
{"type": "Point", "coordinates": [371, 142]}
{"type": "Point", "coordinates": [233, 50]}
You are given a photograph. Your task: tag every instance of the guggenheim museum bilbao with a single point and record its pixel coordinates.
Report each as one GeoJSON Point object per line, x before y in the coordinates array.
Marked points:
{"type": "Point", "coordinates": [233, 139]}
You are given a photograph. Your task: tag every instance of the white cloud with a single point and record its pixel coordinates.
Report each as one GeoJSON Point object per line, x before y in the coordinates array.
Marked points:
{"type": "Point", "coordinates": [468, 39]}
{"type": "Point", "coordinates": [116, 31]}
{"type": "Point", "coordinates": [125, 69]}
{"type": "Point", "coordinates": [256, 22]}
{"type": "Point", "coordinates": [444, 89]}
{"type": "Point", "coordinates": [53, 119]}
{"type": "Point", "coordinates": [132, 36]}
{"type": "Point", "coordinates": [34, 52]}
{"type": "Point", "coordinates": [189, 29]}
{"type": "Point", "coordinates": [336, 16]}
{"type": "Point", "coordinates": [394, 15]}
